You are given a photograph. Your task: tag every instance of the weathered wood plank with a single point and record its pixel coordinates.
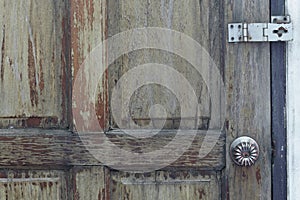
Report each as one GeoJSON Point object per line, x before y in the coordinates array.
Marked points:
{"type": "Point", "coordinates": [29, 184]}
{"type": "Point", "coordinates": [165, 185]}
{"type": "Point", "coordinates": [88, 30]}
{"type": "Point", "coordinates": [198, 20]}
{"type": "Point", "coordinates": [88, 183]}
{"type": "Point", "coordinates": [248, 99]}
{"type": "Point", "coordinates": [34, 63]}
{"type": "Point", "coordinates": [56, 149]}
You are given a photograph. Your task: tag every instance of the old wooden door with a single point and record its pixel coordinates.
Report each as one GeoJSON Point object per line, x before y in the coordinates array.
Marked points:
{"type": "Point", "coordinates": [54, 106]}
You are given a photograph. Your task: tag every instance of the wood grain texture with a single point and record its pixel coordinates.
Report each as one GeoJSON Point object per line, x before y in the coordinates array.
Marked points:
{"type": "Point", "coordinates": [34, 50]}
{"type": "Point", "coordinates": [88, 30]}
{"type": "Point", "coordinates": [88, 183]}
{"type": "Point", "coordinates": [196, 19]}
{"type": "Point", "coordinates": [35, 185]}
{"type": "Point", "coordinates": [248, 98]}
{"type": "Point", "coordinates": [165, 185]}
{"type": "Point", "coordinates": [33, 63]}
{"type": "Point", "coordinates": [61, 149]}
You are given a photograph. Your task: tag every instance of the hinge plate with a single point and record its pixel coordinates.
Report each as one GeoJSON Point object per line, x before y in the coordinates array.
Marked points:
{"type": "Point", "coordinates": [280, 29]}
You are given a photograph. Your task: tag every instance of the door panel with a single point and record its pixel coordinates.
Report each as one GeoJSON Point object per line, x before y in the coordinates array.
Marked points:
{"type": "Point", "coordinates": [33, 66]}
{"type": "Point", "coordinates": [89, 183]}
{"type": "Point", "coordinates": [33, 184]}
{"type": "Point", "coordinates": [194, 19]}
{"type": "Point", "coordinates": [165, 185]}
{"type": "Point", "coordinates": [55, 164]}
{"type": "Point", "coordinates": [247, 73]}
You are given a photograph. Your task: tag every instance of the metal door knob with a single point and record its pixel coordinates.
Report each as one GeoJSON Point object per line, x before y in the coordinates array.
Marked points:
{"type": "Point", "coordinates": [244, 151]}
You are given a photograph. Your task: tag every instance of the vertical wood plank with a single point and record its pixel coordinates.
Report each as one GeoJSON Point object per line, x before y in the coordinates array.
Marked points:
{"type": "Point", "coordinates": [33, 63]}
{"type": "Point", "coordinates": [89, 183]}
{"type": "Point", "coordinates": [197, 19]}
{"type": "Point", "coordinates": [248, 99]}
{"type": "Point", "coordinates": [88, 30]}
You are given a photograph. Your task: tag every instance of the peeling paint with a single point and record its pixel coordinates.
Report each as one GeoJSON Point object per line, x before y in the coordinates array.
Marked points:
{"type": "Point", "coordinates": [86, 34]}
{"type": "Point", "coordinates": [34, 63]}
{"type": "Point", "coordinates": [94, 176]}
{"type": "Point", "coordinates": [32, 75]}
{"type": "Point", "coordinates": [162, 186]}
{"type": "Point", "coordinates": [258, 176]}
{"type": "Point", "coordinates": [32, 185]}
{"type": "Point", "coordinates": [175, 15]}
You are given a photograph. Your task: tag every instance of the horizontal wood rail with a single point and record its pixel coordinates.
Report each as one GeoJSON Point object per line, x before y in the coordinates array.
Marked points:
{"type": "Point", "coordinates": [60, 148]}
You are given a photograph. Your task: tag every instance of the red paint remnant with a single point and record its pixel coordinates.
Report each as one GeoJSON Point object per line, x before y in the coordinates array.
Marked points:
{"type": "Point", "coordinates": [40, 122]}
{"type": "Point", "coordinates": [53, 57]}
{"type": "Point", "coordinates": [2, 57]}
{"type": "Point", "coordinates": [43, 185]}
{"type": "Point", "coordinates": [244, 174]}
{"type": "Point", "coordinates": [31, 75]}
{"type": "Point", "coordinates": [3, 175]}
{"type": "Point", "coordinates": [41, 77]}
{"type": "Point", "coordinates": [34, 122]}
{"type": "Point", "coordinates": [106, 74]}
{"type": "Point", "coordinates": [65, 71]}
{"type": "Point", "coordinates": [227, 125]}
{"type": "Point", "coordinates": [258, 175]}
{"type": "Point", "coordinates": [51, 120]}
{"type": "Point", "coordinates": [76, 195]}
{"type": "Point", "coordinates": [76, 22]}
{"type": "Point", "coordinates": [90, 11]}
{"type": "Point", "coordinates": [100, 106]}
{"type": "Point", "coordinates": [127, 193]}
{"type": "Point", "coordinates": [201, 193]}
{"type": "Point", "coordinates": [101, 194]}
{"type": "Point", "coordinates": [82, 18]}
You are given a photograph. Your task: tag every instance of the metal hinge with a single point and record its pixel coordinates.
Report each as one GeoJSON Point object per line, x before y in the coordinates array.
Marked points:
{"type": "Point", "coordinates": [280, 29]}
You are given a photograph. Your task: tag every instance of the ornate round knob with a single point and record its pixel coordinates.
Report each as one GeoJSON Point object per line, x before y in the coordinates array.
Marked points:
{"type": "Point", "coordinates": [244, 151]}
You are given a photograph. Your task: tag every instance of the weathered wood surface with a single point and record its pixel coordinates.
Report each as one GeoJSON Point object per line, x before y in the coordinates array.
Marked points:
{"type": "Point", "coordinates": [89, 183]}
{"type": "Point", "coordinates": [165, 185]}
{"type": "Point", "coordinates": [247, 76]}
{"type": "Point", "coordinates": [34, 63]}
{"type": "Point", "coordinates": [29, 184]}
{"type": "Point", "coordinates": [88, 26]}
{"type": "Point", "coordinates": [197, 19]}
{"type": "Point", "coordinates": [35, 47]}
{"type": "Point", "coordinates": [60, 149]}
